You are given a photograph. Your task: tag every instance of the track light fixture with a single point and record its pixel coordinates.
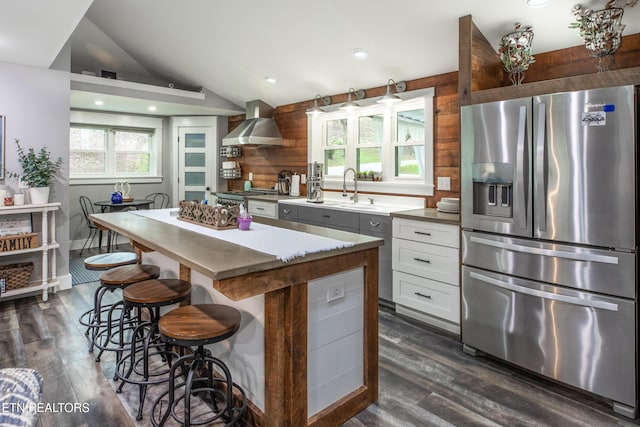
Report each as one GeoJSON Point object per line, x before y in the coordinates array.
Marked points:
{"type": "Point", "coordinates": [389, 98]}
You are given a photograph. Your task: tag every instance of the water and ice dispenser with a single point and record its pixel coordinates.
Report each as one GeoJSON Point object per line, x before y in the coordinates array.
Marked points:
{"type": "Point", "coordinates": [493, 189]}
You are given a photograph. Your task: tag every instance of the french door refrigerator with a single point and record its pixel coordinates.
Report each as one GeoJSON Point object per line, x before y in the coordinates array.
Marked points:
{"type": "Point", "coordinates": [549, 240]}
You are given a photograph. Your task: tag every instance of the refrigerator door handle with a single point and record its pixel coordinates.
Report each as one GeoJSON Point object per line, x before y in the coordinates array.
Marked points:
{"type": "Point", "coordinates": [543, 294]}
{"type": "Point", "coordinates": [541, 184]}
{"type": "Point", "coordinates": [546, 252]}
{"type": "Point", "coordinates": [522, 208]}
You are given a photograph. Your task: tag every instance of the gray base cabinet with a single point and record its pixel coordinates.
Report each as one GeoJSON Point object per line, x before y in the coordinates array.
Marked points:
{"type": "Point", "coordinates": [362, 223]}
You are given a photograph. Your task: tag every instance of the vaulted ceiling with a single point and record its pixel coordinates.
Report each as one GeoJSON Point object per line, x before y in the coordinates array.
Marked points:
{"type": "Point", "coordinates": [228, 48]}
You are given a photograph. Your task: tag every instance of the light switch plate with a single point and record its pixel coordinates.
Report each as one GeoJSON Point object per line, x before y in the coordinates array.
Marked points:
{"type": "Point", "coordinates": [444, 183]}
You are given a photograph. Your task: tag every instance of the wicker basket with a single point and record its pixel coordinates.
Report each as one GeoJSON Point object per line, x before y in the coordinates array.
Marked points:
{"type": "Point", "coordinates": [16, 275]}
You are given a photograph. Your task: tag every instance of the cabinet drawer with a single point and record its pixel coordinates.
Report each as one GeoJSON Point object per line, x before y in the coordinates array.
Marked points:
{"type": "Point", "coordinates": [427, 232]}
{"type": "Point", "coordinates": [434, 262]}
{"type": "Point", "coordinates": [261, 208]}
{"type": "Point", "coordinates": [428, 296]}
{"type": "Point", "coordinates": [329, 217]}
{"type": "Point", "coordinates": [378, 224]}
{"type": "Point", "coordinates": [289, 212]}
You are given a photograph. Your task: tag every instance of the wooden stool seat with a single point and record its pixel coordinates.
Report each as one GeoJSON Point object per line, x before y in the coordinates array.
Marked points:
{"type": "Point", "coordinates": [157, 292]}
{"type": "Point", "coordinates": [200, 324]}
{"type": "Point", "coordinates": [196, 326]}
{"type": "Point", "coordinates": [133, 362]}
{"type": "Point", "coordinates": [104, 331]}
{"type": "Point", "coordinates": [110, 260]}
{"type": "Point", "coordinates": [128, 274]}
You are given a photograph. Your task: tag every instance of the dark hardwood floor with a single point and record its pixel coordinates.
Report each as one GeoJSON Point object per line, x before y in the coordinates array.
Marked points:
{"type": "Point", "coordinates": [425, 378]}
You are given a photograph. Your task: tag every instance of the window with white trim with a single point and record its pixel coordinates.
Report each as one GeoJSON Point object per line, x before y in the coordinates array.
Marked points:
{"type": "Point", "coordinates": [103, 149]}
{"type": "Point", "coordinates": [391, 148]}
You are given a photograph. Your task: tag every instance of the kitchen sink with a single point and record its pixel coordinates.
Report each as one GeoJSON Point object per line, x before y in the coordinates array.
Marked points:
{"type": "Point", "coordinates": [383, 205]}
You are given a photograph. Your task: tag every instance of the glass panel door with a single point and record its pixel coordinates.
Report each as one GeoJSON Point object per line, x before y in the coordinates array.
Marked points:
{"type": "Point", "coordinates": [195, 163]}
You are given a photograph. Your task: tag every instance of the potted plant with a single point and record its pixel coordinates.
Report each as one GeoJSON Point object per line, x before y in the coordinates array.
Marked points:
{"type": "Point", "coordinates": [38, 171]}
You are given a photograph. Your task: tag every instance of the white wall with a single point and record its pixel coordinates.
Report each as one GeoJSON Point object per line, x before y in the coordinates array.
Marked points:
{"type": "Point", "coordinates": [35, 103]}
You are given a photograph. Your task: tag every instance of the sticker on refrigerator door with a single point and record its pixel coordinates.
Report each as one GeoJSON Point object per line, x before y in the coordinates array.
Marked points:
{"type": "Point", "coordinates": [594, 118]}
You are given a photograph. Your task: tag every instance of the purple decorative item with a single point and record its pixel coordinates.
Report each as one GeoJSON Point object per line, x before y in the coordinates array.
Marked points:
{"type": "Point", "coordinates": [244, 223]}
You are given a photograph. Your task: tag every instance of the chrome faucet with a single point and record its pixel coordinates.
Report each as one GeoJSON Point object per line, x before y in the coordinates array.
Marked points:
{"type": "Point", "coordinates": [355, 185]}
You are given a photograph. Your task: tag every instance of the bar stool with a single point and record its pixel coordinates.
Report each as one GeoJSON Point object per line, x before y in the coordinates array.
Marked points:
{"type": "Point", "coordinates": [197, 326]}
{"type": "Point", "coordinates": [104, 332]}
{"type": "Point", "coordinates": [133, 367]}
{"type": "Point", "coordinates": [102, 262]}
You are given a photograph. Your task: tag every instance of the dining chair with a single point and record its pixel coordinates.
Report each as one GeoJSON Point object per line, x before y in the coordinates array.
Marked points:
{"type": "Point", "coordinates": [158, 200]}
{"type": "Point", "coordinates": [87, 209]}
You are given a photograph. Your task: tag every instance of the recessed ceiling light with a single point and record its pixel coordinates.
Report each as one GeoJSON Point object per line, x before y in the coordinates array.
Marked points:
{"type": "Point", "coordinates": [98, 102]}
{"type": "Point", "coordinates": [270, 80]}
{"type": "Point", "coordinates": [152, 108]}
{"type": "Point", "coordinates": [537, 3]}
{"type": "Point", "coordinates": [359, 53]}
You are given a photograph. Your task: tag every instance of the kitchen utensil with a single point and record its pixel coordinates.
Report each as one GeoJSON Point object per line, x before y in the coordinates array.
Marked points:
{"type": "Point", "coordinates": [284, 182]}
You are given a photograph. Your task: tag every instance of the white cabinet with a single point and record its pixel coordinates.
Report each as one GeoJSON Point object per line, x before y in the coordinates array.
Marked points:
{"type": "Point", "coordinates": [426, 271]}
{"type": "Point", "coordinates": [47, 247]}
{"type": "Point", "coordinates": [262, 208]}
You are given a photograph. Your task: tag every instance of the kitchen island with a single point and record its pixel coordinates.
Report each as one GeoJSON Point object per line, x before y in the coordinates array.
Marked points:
{"type": "Point", "coordinates": [283, 351]}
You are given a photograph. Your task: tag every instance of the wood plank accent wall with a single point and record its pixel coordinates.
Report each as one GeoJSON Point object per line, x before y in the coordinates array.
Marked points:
{"type": "Point", "coordinates": [266, 162]}
{"type": "Point", "coordinates": [480, 67]}
{"type": "Point", "coordinates": [480, 71]}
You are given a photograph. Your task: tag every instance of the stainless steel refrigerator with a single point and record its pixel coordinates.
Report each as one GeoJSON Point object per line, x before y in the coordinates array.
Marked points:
{"type": "Point", "coordinates": [549, 241]}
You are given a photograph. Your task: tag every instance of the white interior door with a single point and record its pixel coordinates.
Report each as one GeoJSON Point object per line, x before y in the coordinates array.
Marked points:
{"type": "Point", "coordinates": [195, 162]}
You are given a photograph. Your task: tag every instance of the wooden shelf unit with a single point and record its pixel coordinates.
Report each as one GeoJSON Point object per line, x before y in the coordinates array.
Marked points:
{"type": "Point", "coordinates": [47, 248]}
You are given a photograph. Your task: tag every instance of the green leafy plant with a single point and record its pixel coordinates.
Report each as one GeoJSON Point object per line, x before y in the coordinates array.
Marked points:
{"type": "Point", "coordinates": [38, 170]}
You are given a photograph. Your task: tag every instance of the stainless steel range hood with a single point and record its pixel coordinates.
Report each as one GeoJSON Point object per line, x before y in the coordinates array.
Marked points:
{"type": "Point", "coordinates": [258, 129]}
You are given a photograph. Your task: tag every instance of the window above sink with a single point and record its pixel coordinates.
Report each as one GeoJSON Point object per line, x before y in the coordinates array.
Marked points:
{"type": "Point", "coordinates": [390, 147]}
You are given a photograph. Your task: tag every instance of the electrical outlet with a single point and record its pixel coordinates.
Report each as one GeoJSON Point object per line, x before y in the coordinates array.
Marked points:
{"type": "Point", "coordinates": [444, 183]}
{"type": "Point", "coordinates": [335, 292]}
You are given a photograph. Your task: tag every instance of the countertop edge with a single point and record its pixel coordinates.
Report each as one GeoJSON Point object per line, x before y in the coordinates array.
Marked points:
{"type": "Point", "coordinates": [122, 221]}
{"type": "Point", "coordinates": [428, 214]}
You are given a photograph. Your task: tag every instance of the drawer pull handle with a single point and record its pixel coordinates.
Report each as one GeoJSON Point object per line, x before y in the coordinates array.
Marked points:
{"type": "Point", "coordinates": [424, 233]}
{"type": "Point", "coordinates": [326, 216]}
{"type": "Point", "coordinates": [422, 260]}
{"type": "Point", "coordinates": [287, 211]}
{"type": "Point", "coordinates": [259, 209]}
{"type": "Point", "coordinates": [374, 223]}
{"type": "Point", "coordinates": [423, 295]}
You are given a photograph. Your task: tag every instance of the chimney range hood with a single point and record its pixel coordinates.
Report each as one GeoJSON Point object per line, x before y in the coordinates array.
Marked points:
{"type": "Point", "coordinates": [258, 129]}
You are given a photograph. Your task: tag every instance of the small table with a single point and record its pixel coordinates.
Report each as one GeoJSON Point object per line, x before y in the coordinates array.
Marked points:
{"type": "Point", "coordinates": [109, 206]}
